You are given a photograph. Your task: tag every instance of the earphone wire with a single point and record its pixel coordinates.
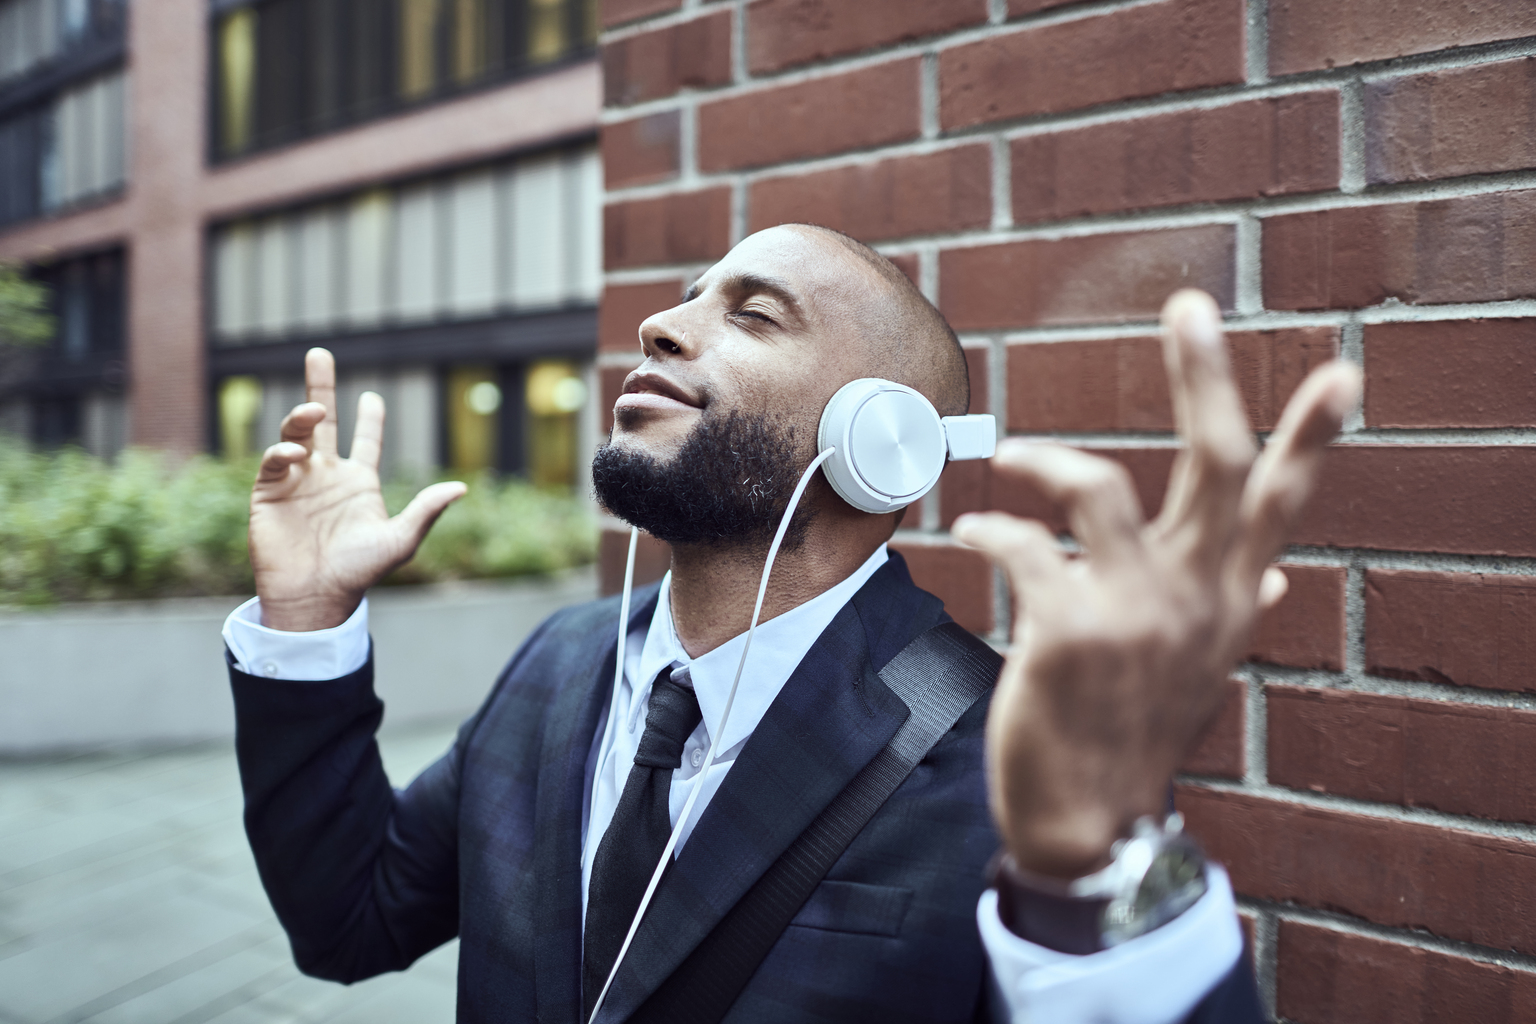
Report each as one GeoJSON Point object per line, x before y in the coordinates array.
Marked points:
{"type": "Point", "coordinates": [716, 733]}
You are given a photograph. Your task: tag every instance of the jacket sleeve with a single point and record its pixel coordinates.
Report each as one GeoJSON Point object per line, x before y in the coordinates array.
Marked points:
{"type": "Point", "coordinates": [1235, 1000]}
{"type": "Point", "coordinates": [363, 878]}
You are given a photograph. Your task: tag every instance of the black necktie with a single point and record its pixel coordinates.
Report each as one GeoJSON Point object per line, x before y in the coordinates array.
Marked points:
{"type": "Point", "coordinates": [629, 850]}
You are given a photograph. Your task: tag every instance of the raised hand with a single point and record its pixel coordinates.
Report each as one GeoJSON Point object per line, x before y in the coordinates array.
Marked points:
{"type": "Point", "coordinates": [1119, 655]}
{"type": "Point", "coordinates": [320, 536]}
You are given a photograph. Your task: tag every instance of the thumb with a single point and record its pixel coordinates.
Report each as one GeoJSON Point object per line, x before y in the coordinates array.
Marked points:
{"type": "Point", "coordinates": [417, 518]}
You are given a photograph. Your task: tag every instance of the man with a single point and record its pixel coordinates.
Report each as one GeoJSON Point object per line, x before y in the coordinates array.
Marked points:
{"type": "Point", "coordinates": [531, 839]}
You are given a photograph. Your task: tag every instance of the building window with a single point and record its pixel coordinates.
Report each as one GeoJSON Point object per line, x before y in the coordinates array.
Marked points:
{"type": "Point", "coordinates": [288, 69]}
{"type": "Point", "coordinates": [34, 33]}
{"type": "Point", "coordinates": [239, 405]}
{"type": "Point", "coordinates": [72, 390]}
{"type": "Point", "coordinates": [474, 399]}
{"type": "Point", "coordinates": [70, 150]}
{"type": "Point", "coordinates": [512, 238]}
{"type": "Point", "coordinates": [554, 394]}
{"type": "Point", "coordinates": [87, 304]}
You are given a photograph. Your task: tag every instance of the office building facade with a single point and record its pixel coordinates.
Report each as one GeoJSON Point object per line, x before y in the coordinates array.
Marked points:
{"type": "Point", "coordinates": [210, 188]}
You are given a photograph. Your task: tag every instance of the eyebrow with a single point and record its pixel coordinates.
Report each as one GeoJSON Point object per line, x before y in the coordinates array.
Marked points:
{"type": "Point", "coordinates": [748, 284]}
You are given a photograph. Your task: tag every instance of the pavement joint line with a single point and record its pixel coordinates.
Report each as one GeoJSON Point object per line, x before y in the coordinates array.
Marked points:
{"type": "Point", "coordinates": [241, 996]}
{"type": "Point", "coordinates": [174, 971]}
{"type": "Point", "coordinates": [196, 855]}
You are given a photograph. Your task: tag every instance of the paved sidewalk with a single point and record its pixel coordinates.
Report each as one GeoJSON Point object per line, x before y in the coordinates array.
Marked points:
{"type": "Point", "coordinates": [128, 896]}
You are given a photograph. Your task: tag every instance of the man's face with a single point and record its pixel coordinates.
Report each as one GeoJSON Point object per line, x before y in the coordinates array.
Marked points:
{"type": "Point", "coordinates": [714, 429]}
{"type": "Point", "coordinates": [766, 332]}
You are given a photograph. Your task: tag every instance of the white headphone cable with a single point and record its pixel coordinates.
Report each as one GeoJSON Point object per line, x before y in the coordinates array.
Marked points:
{"type": "Point", "coordinates": [618, 665]}
{"type": "Point", "coordinates": [716, 733]}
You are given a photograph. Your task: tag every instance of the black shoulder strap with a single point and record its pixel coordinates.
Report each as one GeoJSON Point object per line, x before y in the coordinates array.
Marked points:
{"type": "Point", "coordinates": [939, 675]}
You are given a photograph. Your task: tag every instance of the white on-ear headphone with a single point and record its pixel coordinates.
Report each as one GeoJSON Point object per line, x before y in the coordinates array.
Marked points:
{"type": "Point", "coordinates": [892, 444]}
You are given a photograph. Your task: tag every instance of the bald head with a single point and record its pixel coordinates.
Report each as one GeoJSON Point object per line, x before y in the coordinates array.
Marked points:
{"type": "Point", "coordinates": [907, 339]}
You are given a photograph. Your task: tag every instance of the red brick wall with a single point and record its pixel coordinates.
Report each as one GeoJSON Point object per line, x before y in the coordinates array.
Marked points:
{"type": "Point", "coordinates": [1345, 177]}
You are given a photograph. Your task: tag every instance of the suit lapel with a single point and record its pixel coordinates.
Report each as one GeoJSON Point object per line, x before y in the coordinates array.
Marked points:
{"type": "Point", "coordinates": [569, 727]}
{"type": "Point", "coordinates": [831, 718]}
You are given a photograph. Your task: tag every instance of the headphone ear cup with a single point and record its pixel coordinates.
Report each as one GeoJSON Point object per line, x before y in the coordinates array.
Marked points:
{"type": "Point", "coordinates": [890, 444]}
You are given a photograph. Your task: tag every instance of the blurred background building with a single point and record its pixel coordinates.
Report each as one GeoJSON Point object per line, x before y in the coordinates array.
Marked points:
{"type": "Point", "coordinates": [212, 187]}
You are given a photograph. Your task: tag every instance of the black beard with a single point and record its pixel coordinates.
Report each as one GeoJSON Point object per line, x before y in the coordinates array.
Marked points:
{"type": "Point", "coordinates": [728, 485]}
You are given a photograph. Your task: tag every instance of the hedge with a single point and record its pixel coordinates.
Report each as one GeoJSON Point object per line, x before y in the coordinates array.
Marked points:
{"type": "Point", "coordinates": [78, 528]}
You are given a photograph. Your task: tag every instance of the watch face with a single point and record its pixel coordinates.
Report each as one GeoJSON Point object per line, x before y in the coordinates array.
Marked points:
{"type": "Point", "coordinates": [1174, 881]}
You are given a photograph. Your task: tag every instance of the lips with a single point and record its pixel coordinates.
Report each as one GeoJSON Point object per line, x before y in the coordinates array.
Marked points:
{"type": "Point", "coordinates": [653, 391]}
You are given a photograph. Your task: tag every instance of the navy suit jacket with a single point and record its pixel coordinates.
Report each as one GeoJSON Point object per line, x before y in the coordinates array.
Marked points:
{"type": "Point", "coordinates": [486, 843]}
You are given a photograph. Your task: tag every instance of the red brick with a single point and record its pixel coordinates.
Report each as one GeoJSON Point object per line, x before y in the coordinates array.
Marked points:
{"type": "Point", "coordinates": [1123, 54]}
{"type": "Point", "coordinates": [1452, 498]}
{"type": "Point", "coordinates": [1120, 383]}
{"type": "Point", "coordinates": [977, 359]}
{"type": "Point", "coordinates": [1305, 35]}
{"type": "Point", "coordinates": [975, 486]}
{"type": "Point", "coordinates": [625, 307]}
{"type": "Point", "coordinates": [693, 54]}
{"type": "Point", "coordinates": [1472, 249]}
{"type": "Point", "coordinates": [1465, 629]}
{"type": "Point", "coordinates": [1306, 629]}
{"type": "Point", "coordinates": [641, 151]}
{"type": "Point", "coordinates": [784, 33]}
{"type": "Point", "coordinates": [1326, 975]}
{"type": "Point", "coordinates": [1083, 279]}
{"type": "Point", "coordinates": [1451, 373]}
{"type": "Point", "coordinates": [855, 110]}
{"type": "Point", "coordinates": [1442, 124]}
{"type": "Point", "coordinates": [950, 190]}
{"type": "Point", "coordinates": [1466, 499]}
{"type": "Point", "coordinates": [652, 560]}
{"type": "Point", "coordinates": [1457, 758]}
{"type": "Point", "coordinates": [1454, 883]}
{"type": "Point", "coordinates": [960, 577]}
{"type": "Point", "coordinates": [684, 227]}
{"type": "Point", "coordinates": [1266, 147]}
{"type": "Point", "coordinates": [1218, 752]}
{"type": "Point", "coordinates": [617, 12]}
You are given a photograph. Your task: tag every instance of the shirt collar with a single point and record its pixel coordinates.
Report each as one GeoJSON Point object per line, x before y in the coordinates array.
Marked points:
{"type": "Point", "coordinates": [777, 650]}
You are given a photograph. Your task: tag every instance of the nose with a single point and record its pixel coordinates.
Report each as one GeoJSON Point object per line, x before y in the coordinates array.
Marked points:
{"type": "Point", "coordinates": [664, 334]}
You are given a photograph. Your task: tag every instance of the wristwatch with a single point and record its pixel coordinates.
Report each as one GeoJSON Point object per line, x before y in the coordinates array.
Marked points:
{"type": "Point", "coordinates": [1156, 874]}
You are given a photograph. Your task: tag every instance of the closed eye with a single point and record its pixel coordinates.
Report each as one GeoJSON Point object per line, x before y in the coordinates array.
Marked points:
{"type": "Point", "coordinates": [755, 315]}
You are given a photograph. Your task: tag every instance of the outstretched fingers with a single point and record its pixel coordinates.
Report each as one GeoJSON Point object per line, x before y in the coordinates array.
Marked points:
{"type": "Point", "coordinates": [1025, 548]}
{"type": "Point", "coordinates": [299, 425]}
{"type": "Point", "coordinates": [368, 435]}
{"type": "Point", "coordinates": [1096, 493]}
{"type": "Point", "coordinates": [278, 460]}
{"type": "Point", "coordinates": [1204, 495]}
{"type": "Point", "coordinates": [320, 387]}
{"type": "Point", "coordinates": [413, 522]}
{"type": "Point", "coordinates": [1287, 472]}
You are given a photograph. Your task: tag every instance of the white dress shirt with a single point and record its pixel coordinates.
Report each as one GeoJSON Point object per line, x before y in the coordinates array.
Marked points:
{"type": "Point", "coordinates": [1155, 979]}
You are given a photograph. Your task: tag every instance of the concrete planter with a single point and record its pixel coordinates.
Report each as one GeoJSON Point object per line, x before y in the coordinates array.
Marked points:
{"type": "Point", "coordinates": [94, 675]}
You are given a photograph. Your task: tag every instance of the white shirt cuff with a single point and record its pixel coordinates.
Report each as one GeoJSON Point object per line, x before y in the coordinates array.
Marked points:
{"type": "Point", "coordinates": [322, 654]}
{"type": "Point", "coordinates": [1158, 978]}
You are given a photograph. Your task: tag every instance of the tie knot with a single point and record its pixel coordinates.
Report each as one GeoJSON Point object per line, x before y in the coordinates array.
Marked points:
{"type": "Point", "coordinates": [670, 718]}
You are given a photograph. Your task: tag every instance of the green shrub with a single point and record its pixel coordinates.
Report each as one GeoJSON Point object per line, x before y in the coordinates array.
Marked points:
{"type": "Point", "coordinates": [76, 528]}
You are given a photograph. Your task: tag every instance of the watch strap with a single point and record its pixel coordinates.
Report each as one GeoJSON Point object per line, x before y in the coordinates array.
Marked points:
{"type": "Point", "coordinates": [1065, 923]}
